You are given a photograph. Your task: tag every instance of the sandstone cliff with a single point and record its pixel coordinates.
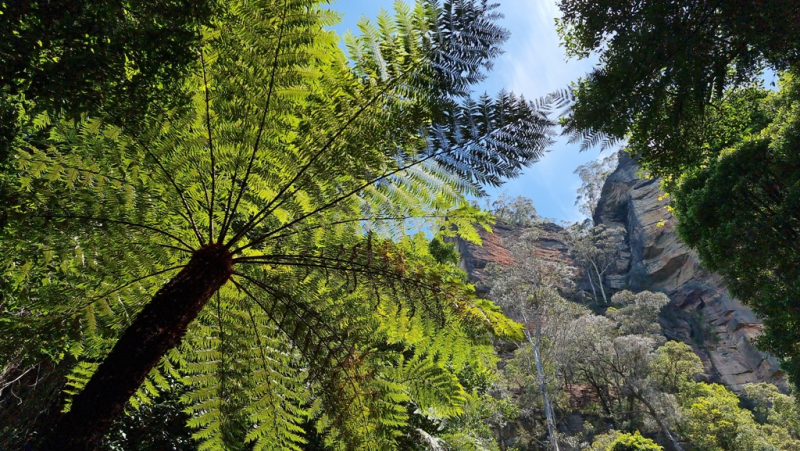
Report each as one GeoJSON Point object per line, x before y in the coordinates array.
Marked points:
{"type": "Point", "coordinates": [493, 249]}
{"type": "Point", "coordinates": [701, 313]}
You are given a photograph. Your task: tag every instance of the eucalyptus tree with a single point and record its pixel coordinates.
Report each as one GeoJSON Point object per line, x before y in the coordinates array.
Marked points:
{"type": "Point", "coordinates": [617, 358]}
{"type": "Point", "coordinates": [518, 211]}
{"type": "Point", "coordinates": [224, 243]}
{"type": "Point", "coordinates": [528, 290]}
{"type": "Point", "coordinates": [593, 176]}
{"type": "Point", "coordinates": [596, 250]}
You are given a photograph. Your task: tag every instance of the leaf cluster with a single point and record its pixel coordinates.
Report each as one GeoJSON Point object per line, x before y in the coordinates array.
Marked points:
{"type": "Point", "coordinates": [306, 167]}
{"type": "Point", "coordinates": [749, 185]}
{"type": "Point", "coordinates": [664, 63]}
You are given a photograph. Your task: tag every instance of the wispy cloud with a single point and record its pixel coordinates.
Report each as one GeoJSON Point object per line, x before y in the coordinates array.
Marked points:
{"type": "Point", "coordinates": [533, 66]}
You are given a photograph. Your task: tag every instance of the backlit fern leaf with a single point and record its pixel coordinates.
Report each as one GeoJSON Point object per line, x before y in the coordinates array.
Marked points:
{"type": "Point", "coordinates": [283, 155]}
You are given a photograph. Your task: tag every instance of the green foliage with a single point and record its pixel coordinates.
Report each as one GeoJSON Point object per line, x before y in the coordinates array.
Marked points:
{"type": "Point", "coordinates": [443, 252]}
{"type": "Point", "coordinates": [633, 442]}
{"type": "Point", "coordinates": [593, 176]}
{"type": "Point", "coordinates": [747, 184]}
{"type": "Point", "coordinates": [517, 211]}
{"type": "Point", "coordinates": [125, 58]}
{"type": "Point", "coordinates": [663, 63]}
{"type": "Point", "coordinates": [713, 421]}
{"type": "Point", "coordinates": [595, 249]}
{"type": "Point", "coordinates": [152, 427]}
{"type": "Point", "coordinates": [637, 314]}
{"type": "Point", "coordinates": [712, 417]}
{"type": "Point", "coordinates": [603, 441]}
{"type": "Point", "coordinates": [474, 429]}
{"type": "Point", "coordinates": [675, 365]}
{"type": "Point", "coordinates": [306, 166]}
{"type": "Point", "coordinates": [775, 408]}
{"type": "Point", "coordinates": [463, 222]}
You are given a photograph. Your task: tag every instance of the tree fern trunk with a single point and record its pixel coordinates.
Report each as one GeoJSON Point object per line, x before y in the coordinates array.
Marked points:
{"type": "Point", "coordinates": [158, 328]}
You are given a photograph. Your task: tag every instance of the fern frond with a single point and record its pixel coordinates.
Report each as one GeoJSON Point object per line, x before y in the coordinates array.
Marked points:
{"type": "Point", "coordinates": [288, 154]}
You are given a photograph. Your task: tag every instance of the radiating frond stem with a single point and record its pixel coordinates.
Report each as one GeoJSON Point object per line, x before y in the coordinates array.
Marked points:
{"type": "Point", "coordinates": [197, 166]}
{"type": "Point", "coordinates": [168, 246]}
{"type": "Point", "coordinates": [188, 219]}
{"type": "Point", "coordinates": [269, 312]}
{"type": "Point", "coordinates": [306, 265]}
{"type": "Point", "coordinates": [210, 151]}
{"type": "Point", "coordinates": [333, 202]}
{"type": "Point", "coordinates": [346, 221]}
{"type": "Point", "coordinates": [346, 266]}
{"type": "Point", "coordinates": [221, 368]}
{"type": "Point", "coordinates": [336, 264]}
{"type": "Point", "coordinates": [127, 223]}
{"type": "Point", "coordinates": [88, 171]}
{"type": "Point", "coordinates": [257, 336]}
{"type": "Point", "coordinates": [122, 287]}
{"type": "Point", "coordinates": [269, 208]}
{"type": "Point", "coordinates": [203, 184]}
{"type": "Point", "coordinates": [227, 215]}
{"type": "Point", "coordinates": [324, 341]}
{"type": "Point", "coordinates": [256, 333]}
{"type": "Point", "coordinates": [295, 308]}
{"type": "Point", "coordinates": [278, 258]}
{"type": "Point", "coordinates": [178, 190]}
{"type": "Point", "coordinates": [229, 212]}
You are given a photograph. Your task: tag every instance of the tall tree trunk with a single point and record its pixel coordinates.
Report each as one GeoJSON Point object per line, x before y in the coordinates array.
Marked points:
{"type": "Point", "coordinates": [158, 328]}
{"type": "Point", "coordinates": [591, 282]}
{"type": "Point", "coordinates": [600, 282]}
{"type": "Point", "coordinates": [548, 409]}
{"type": "Point", "coordinates": [673, 444]}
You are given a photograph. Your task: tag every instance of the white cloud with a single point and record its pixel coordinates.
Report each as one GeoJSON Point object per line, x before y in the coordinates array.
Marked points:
{"type": "Point", "coordinates": [533, 65]}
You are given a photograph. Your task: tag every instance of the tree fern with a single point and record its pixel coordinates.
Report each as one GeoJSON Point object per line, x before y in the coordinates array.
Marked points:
{"type": "Point", "coordinates": [253, 200]}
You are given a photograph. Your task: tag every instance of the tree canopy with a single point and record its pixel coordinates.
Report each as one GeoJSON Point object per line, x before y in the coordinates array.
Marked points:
{"type": "Point", "coordinates": [122, 57]}
{"type": "Point", "coordinates": [593, 176]}
{"type": "Point", "coordinates": [662, 62]}
{"type": "Point", "coordinates": [258, 227]}
{"type": "Point", "coordinates": [751, 185]}
{"type": "Point", "coordinates": [633, 442]}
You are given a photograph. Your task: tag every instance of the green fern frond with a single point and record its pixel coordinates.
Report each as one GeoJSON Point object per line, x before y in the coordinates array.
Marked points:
{"type": "Point", "coordinates": [288, 155]}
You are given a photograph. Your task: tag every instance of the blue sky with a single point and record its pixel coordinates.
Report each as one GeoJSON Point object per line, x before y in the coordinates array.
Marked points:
{"type": "Point", "coordinates": [533, 65]}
